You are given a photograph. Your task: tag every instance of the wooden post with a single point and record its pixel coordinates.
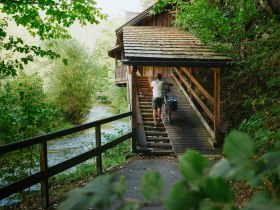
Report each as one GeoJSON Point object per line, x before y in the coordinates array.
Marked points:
{"type": "Point", "coordinates": [217, 98]}
{"type": "Point", "coordinates": [133, 105]}
{"type": "Point", "coordinates": [191, 85]}
{"type": "Point", "coordinates": [44, 183]}
{"type": "Point", "coordinates": [98, 144]}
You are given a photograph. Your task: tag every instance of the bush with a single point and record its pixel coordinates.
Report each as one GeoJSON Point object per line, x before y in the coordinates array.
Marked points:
{"type": "Point", "coordinates": [24, 109]}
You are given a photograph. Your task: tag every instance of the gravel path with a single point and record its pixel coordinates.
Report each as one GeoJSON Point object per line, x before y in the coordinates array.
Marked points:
{"type": "Point", "coordinates": [135, 169]}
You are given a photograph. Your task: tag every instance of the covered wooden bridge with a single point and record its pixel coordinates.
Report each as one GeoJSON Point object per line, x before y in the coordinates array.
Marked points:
{"type": "Point", "coordinates": [148, 45]}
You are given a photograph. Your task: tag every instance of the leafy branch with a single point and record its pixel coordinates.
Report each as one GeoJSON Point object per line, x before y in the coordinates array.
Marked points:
{"type": "Point", "coordinates": [47, 19]}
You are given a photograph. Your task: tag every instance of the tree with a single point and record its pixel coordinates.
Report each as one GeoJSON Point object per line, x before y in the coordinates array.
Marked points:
{"type": "Point", "coordinates": [47, 19]}
{"type": "Point", "coordinates": [71, 86]}
{"type": "Point", "coordinates": [105, 76]}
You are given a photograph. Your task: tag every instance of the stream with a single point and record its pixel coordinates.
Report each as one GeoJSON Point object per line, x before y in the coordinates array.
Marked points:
{"type": "Point", "coordinates": [65, 148]}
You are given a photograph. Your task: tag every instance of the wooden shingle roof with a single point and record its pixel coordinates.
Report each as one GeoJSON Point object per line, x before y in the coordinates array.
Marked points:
{"type": "Point", "coordinates": [167, 44]}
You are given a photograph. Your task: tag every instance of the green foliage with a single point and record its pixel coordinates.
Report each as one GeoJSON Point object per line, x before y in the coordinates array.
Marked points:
{"type": "Point", "coordinates": [47, 19]}
{"type": "Point", "coordinates": [105, 76]}
{"type": "Point", "coordinates": [25, 113]}
{"type": "Point", "coordinates": [118, 153]}
{"type": "Point", "coordinates": [262, 127]}
{"type": "Point", "coordinates": [193, 166]}
{"type": "Point", "coordinates": [100, 193]}
{"type": "Point", "coordinates": [211, 192]}
{"type": "Point", "coordinates": [152, 185]}
{"type": "Point", "coordinates": [24, 107]}
{"type": "Point", "coordinates": [71, 86]}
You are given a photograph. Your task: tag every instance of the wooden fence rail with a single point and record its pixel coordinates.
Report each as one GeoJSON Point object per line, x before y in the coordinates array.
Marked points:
{"type": "Point", "coordinates": [47, 172]}
{"type": "Point", "coordinates": [179, 76]}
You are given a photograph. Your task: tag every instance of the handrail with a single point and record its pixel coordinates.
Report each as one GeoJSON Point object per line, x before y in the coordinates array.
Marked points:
{"type": "Point", "coordinates": [47, 172]}
{"type": "Point", "coordinates": [44, 138]}
{"type": "Point", "coordinates": [191, 95]}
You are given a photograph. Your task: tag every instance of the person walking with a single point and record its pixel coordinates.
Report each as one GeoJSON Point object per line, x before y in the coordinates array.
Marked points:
{"type": "Point", "coordinates": [157, 100]}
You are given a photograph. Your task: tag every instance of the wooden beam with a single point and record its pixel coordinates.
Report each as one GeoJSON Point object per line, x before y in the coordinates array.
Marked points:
{"type": "Point", "coordinates": [203, 106]}
{"type": "Point", "coordinates": [182, 79]}
{"type": "Point", "coordinates": [217, 109]}
{"type": "Point", "coordinates": [199, 86]}
{"type": "Point", "coordinates": [51, 136]}
{"type": "Point", "coordinates": [134, 108]}
{"type": "Point", "coordinates": [191, 90]}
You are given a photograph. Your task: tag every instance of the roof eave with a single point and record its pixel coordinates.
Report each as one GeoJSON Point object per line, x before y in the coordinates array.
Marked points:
{"type": "Point", "coordinates": [179, 63]}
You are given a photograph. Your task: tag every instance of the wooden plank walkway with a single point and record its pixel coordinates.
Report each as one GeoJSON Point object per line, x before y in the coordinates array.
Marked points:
{"type": "Point", "coordinates": [186, 131]}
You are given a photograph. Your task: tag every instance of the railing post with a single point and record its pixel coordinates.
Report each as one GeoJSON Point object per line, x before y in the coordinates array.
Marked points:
{"type": "Point", "coordinates": [44, 182]}
{"type": "Point", "coordinates": [98, 145]}
{"type": "Point", "coordinates": [133, 105]}
{"type": "Point", "coordinates": [217, 109]}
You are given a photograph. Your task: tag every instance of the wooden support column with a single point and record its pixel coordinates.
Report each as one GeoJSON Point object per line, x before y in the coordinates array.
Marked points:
{"type": "Point", "coordinates": [133, 105]}
{"type": "Point", "coordinates": [98, 144]}
{"type": "Point", "coordinates": [217, 98]}
{"type": "Point", "coordinates": [44, 183]}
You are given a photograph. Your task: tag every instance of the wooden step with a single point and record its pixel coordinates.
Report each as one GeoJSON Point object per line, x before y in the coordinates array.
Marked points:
{"type": "Point", "coordinates": [151, 128]}
{"type": "Point", "coordinates": [159, 145]}
{"type": "Point", "coordinates": [151, 123]}
{"type": "Point", "coordinates": [158, 139]}
{"type": "Point", "coordinates": [156, 133]}
{"type": "Point", "coordinates": [145, 103]}
{"type": "Point", "coordinates": [159, 152]}
{"type": "Point", "coordinates": [151, 119]}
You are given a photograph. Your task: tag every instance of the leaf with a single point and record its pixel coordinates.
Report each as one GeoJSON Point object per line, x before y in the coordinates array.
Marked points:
{"type": "Point", "coordinates": [220, 169]}
{"type": "Point", "coordinates": [180, 198]}
{"type": "Point", "coordinates": [129, 206]}
{"type": "Point", "coordinates": [79, 201]}
{"type": "Point", "coordinates": [193, 166]}
{"type": "Point", "coordinates": [262, 201]}
{"type": "Point", "coordinates": [238, 147]}
{"type": "Point", "coordinates": [217, 190]}
{"type": "Point", "coordinates": [277, 137]}
{"type": "Point", "coordinates": [152, 185]}
{"type": "Point", "coordinates": [269, 162]}
{"type": "Point", "coordinates": [100, 193]}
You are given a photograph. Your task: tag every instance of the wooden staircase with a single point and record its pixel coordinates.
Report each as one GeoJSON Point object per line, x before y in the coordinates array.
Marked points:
{"type": "Point", "coordinates": [157, 139]}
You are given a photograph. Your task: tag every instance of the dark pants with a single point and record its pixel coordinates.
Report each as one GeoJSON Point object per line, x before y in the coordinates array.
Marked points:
{"type": "Point", "coordinates": [157, 103]}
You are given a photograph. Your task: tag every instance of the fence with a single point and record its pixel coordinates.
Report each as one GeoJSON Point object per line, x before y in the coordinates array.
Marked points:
{"type": "Point", "coordinates": [47, 172]}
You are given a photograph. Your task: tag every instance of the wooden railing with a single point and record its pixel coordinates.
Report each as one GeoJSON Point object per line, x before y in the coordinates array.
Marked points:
{"type": "Point", "coordinates": [190, 89]}
{"type": "Point", "coordinates": [120, 75]}
{"type": "Point", "coordinates": [47, 172]}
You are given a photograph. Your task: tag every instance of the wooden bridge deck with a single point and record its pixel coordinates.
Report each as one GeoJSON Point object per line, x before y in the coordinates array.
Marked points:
{"type": "Point", "coordinates": [186, 131]}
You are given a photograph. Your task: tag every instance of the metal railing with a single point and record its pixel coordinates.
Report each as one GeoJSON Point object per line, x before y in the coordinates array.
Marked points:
{"type": "Point", "coordinates": [47, 172]}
